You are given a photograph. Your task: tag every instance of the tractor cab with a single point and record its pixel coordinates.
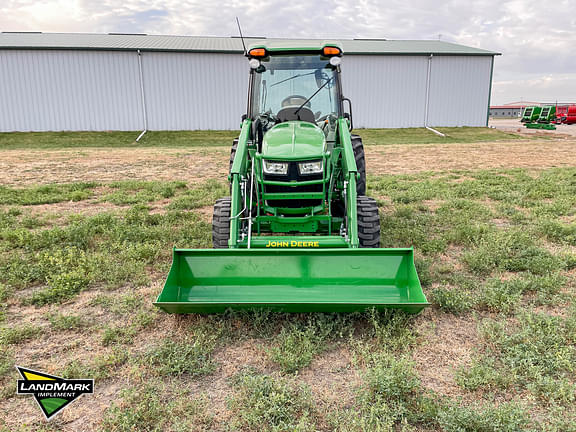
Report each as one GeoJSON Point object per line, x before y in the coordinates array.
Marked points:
{"type": "Point", "coordinates": [295, 85]}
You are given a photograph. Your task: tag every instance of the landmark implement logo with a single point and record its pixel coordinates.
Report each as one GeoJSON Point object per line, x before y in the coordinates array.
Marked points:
{"type": "Point", "coordinates": [52, 393]}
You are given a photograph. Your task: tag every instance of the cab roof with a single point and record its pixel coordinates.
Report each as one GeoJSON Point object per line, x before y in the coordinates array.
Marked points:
{"type": "Point", "coordinates": [279, 45]}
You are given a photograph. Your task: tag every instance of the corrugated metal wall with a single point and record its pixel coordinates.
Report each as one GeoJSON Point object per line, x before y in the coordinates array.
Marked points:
{"type": "Point", "coordinates": [386, 91]}
{"type": "Point", "coordinates": [459, 91]}
{"type": "Point", "coordinates": [69, 90]}
{"type": "Point", "coordinates": [194, 91]}
{"type": "Point", "coordinates": [43, 90]}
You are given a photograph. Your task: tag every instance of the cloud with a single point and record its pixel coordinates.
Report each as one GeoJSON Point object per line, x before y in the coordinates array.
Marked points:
{"type": "Point", "coordinates": [536, 40]}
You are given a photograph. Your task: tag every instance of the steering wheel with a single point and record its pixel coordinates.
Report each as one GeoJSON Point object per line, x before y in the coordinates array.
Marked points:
{"type": "Point", "coordinates": [294, 101]}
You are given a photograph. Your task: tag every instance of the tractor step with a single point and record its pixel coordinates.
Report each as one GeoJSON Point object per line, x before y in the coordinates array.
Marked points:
{"type": "Point", "coordinates": [291, 280]}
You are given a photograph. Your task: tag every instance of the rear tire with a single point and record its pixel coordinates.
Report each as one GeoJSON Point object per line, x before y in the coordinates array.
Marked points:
{"type": "Point", "coordinates": [221, 223]}
{"type": "Point", "coordinates": [358, 148]}
{"type": "Point", "coordinates": [368, 222]}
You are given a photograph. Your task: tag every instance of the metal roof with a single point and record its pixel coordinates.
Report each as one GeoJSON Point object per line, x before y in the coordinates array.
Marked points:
{"type": "Point", "coordinates": [129, 42]}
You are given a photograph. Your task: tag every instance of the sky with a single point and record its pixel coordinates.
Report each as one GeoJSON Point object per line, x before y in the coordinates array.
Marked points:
{"type": "Point", "coordinates": [537, 39]}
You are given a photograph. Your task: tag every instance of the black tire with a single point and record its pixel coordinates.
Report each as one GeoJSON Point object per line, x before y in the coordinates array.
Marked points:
{"type": "Point", "coordinates": [221, 223]}
{"type": "Point", "coordinates": [233, 153]}
{"type": "Point", "coordinates": [358, 148]}
{"type": "Point", "coordinates": [368, 222]}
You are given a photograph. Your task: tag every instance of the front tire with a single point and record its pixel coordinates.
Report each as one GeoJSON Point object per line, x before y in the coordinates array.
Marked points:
{"type": "Point", "coordinates": [358, 148]}
{"type": "Point", "coordinates": [221, 223]}
{"type": "Point", "coordinates": [368, 222]}
{"type": "Point", "coordinates": [233, 153]}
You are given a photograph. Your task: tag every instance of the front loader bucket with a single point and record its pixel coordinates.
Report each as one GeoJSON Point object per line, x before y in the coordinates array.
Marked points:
{"type": "Point", "coordinates": [291, 280]}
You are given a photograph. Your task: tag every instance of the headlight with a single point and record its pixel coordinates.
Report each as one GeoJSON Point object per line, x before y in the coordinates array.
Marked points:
{"type": "Point", "coordinates": [278, 168]}
{"type": "Point", "coordinates": [313, 167]}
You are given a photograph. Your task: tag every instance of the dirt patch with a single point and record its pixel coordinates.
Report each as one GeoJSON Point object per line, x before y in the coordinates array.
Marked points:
{"type": "Point", "coordinates": [217, 388]}
{"type": "Point", "coordinates": [417, 158]}
{"type": "Point", "coordinates": [86, 207]}
{"type": "Point", "coordinates": [23, 167]}
{"type": "Point", "coordinates": [332, 378]}
{"type": "Point", "coordinates": [448, 343]}
{"type": "Point", "coordinates": [205, 213]}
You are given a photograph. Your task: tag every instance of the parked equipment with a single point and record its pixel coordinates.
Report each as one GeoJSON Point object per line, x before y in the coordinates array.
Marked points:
{"type": "Point", "coordinates": [298, 233]}
{"type": "Point", "coordinates": [569, 117]}
{"type": "Point", "coordinates": [531, 114]}
{"type": "Point", "coordinates": [561, 112]}
{"type": "Point", "coordinates": [545, 119]}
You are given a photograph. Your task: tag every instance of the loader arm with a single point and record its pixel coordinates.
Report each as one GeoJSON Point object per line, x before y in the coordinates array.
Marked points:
{"type": "Point", "coordinates": [239, 169]}
{"type": "Point", "coordinates": [350, 172]}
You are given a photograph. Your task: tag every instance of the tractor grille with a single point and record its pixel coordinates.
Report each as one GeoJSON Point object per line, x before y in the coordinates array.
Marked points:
{"type": "Point", "coordinates": [293, 174]}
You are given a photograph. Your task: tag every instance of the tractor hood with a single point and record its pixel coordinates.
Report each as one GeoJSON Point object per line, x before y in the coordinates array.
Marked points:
{"type": "Point", "coordinates": [294, 140]}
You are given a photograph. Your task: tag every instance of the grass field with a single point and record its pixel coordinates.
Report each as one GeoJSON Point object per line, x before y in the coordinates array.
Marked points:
{"type": "Point", "coordinates": [59, 140]}
{"type": "Point", "coordinates": [82, 257]}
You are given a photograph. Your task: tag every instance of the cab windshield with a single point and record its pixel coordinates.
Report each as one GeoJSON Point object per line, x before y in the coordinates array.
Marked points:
{"type": "Point", "coordinates": [284, 83]}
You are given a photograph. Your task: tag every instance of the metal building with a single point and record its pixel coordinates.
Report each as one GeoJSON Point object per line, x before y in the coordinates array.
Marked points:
{"type": "Point", "coordinates": [74, 82]}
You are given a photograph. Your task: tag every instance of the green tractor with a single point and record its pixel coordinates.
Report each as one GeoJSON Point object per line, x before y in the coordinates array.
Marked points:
{"type": "Point", "coordinates": [298, 233]}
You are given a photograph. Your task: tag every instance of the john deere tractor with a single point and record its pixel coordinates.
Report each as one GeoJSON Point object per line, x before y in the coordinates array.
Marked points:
{"type": "Point", "coordinates": [298, 233]}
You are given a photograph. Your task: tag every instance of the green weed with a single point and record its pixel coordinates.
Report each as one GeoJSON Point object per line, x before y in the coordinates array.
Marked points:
{"type": "Point", "coordinates": [155, 408]}
{"type": "Point", "coordinates": [200, 196]}
{"type": "Point", "coordinates": [125, 333]}
{"type": "Point", "coordinates": [391, 397]}
{"type": "Point", "coordinates": [66, 271]}
{"type": "Point", "coordinates": [67, 322]}
{"type": "Point", "coordinates": [18, 334]}
{"type": "Point", "coordinates": [541, 345]}
{"type": "Point", "coordinates": [300, 340]}
{"type": "Point", "coordinates": [191, 356]}
{"type": "Point", "coordinates": [513, 251]}
{"type": "Point", "coordinates": [99, 368]}
{"type": "Point", "coordinates": [484, 373]}
{"type": "Point", "coordinates": [505, 295]}
{"type": "Point", "coordinates": [6, 361]}
{"type": "Point", "coordinates": [537, 354]}
{"type": "Point", "coordinates": [559, 232]}
{"type": "Point", "coordinates": [4, 296]}
{"type": "Point", "coordinates": [109, 250]}
{"type": "Point", "coordinates": [507, 417]}
{"type": "Point", "coordinates": [296, 347]}
{"type": "Point", "coordinates": [46, 194]}
{"type": "Point", "coordinates": [121, 334]}
{"type": "Point", "coordinates": [140, 192]}
{"type": "Point", "coordinates": [263, 403]}
{"type": "Point", "coordinates": [391, 329]}
{"type": "Point", "coordinates": [560, 419]}
{"type": "Point", "coordinates": [453, 300]}
{"type": "Point", "coordinates": [553, 390]}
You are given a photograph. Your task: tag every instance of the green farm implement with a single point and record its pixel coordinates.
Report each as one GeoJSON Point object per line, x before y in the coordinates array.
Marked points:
{"type": "Point", "coordinates": [545, 119]}
{"type": "Point", "coordinates": [531, 114]}
{"type": "Point", "coordinates": [298, 233]}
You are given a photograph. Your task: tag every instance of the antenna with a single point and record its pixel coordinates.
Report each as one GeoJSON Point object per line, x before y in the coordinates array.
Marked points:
{"type": "Point", "coordinates": [241, 37]}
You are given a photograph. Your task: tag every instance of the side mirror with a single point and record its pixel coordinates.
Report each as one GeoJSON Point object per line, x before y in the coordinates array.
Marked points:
{"type": "Point", "coordinates": [348, 115]}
